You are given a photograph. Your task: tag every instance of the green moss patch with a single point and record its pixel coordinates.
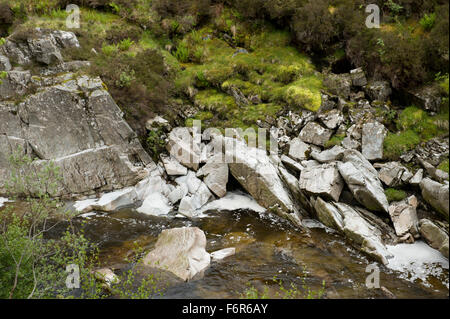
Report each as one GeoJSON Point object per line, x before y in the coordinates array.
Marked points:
{"type": "Point", "coordinates": [395, 195]}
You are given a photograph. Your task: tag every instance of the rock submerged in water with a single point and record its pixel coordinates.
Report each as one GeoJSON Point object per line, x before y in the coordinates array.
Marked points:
{"type": "Point", "coordinates": [180, 251]}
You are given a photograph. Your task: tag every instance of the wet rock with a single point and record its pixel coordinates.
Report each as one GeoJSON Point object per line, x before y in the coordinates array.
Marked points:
{"type": "Point", "coordinates": [198, 194]}
{"type": "Point", "coordinates": [172, 166]}
{"type": "Point", "coordinates": [323, 180]}
{"type": "Point", "coordinates": [155, 204]}
{"type": "Point", "coordinates": [330, 155]}
{"type": "Point", "coordinates": [185, 147]}
{"type": "Point", "coordinates": [216, 175]}
{"type": "Point", "coordinates": [180, 251]}
{"type": "Point", "coordinates": [291, 164]}
{"type": "Point", "coordinates": [394, 174]}
{"type": "Point", "coordinates": [434, 235]}
{"type": "Point", "coordinates": [358, 77]}
{"type": "Point", "coordinates": [362, 179]}
{"type": "Point", "coordinates": [378, 90]}
{"type": "Point", "coordinates": [223, 253]}
{"type": "Point", "coordinates": [373, 135]}
{"type": "Point", "coordinates": [298, 150]}
{"type": "Point", "coordinates": [315, 134]}
{"type": "Point", "coordinates": [258, 174]}
{"type": "Point", "coordinates": [354, 226]}
{"type": "Point", "coordinates": [110, 201]}
{"type": "Point", "coordinates": [294, 187]}
{"type": "Point", "coordinates": [437, 195]}
{"type": "Point", "coordinates": [404, 217]}
{"type": "Point", "coordinates": [332, 119]}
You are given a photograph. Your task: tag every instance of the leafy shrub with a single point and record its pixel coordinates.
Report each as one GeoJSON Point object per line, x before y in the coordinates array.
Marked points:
{"type": "Point", "coordinates": [428, 21]}
{"type": "Point", "coordinates": [155, 144]}
{"type": "Point", "coordinates": [182, 53]}
{"type": "Point", "coordinates": [109, 49]}
{"type": "Point", "coordinates": [33, 265]}
{"type": "Point", "coordinates": [125, 44]}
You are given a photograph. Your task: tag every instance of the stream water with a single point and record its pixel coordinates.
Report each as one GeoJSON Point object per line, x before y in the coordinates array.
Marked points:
{"type": "Point", "coordinates": [265, 247]}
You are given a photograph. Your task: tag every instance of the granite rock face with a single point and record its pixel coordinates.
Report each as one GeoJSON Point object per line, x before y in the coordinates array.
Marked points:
{"type": "Point", "coordinates": [79, 127]}
{"type": "Point", "coordinates": [66, 119]}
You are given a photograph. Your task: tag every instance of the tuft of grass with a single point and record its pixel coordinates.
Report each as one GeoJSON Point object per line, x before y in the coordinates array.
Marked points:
{"type": "Point", "coordinates": [395, 195]}
{"type": "Point", "coordinates": [395, 144]}
{"type": "Point", "coordinates": [334, 140]}
{"type": "Point", "coordinates": [428, 20]}
{"type": "Point", "coordinates": [125, 44]}
{"type": "Point", "coordinates": [444, 165]}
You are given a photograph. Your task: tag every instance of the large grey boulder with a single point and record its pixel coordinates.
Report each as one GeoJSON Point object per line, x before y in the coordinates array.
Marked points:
{"type": "Point", "coordinates": [404, 217]}
{"type": "Point", "coordinates": [77, 125]}
{"type": "Point", "coordinates": [314, 133]}
{"type": "Point", "coordinates": [362, 179]}
{"type": "Point", "coordinates": [437, 195]}
{"type": "Point", "coordinates": [180, 251]}
{"type": "Point", "coordinates": [343, 218]}
{"type": "Point", "coordinates": [259, 176]}
{"type": "Point", "coordinates": [323, 180]}
{"type": "Point", "coordinates": [434, 235]}
{"type": "Point", "coordinates": [373, 135]}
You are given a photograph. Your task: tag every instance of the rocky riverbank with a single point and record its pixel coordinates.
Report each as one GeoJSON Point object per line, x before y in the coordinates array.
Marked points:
{"type": "Point", "coordinates": [58, 114]}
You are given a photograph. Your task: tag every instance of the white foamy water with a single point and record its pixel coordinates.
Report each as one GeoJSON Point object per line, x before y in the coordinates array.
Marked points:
{"type": "Point", "coordinates": [3, 201]}
{"type": "Point", "coordinates": [233, 201]}
{"type": "Point", "coordinates": [417, 261]}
